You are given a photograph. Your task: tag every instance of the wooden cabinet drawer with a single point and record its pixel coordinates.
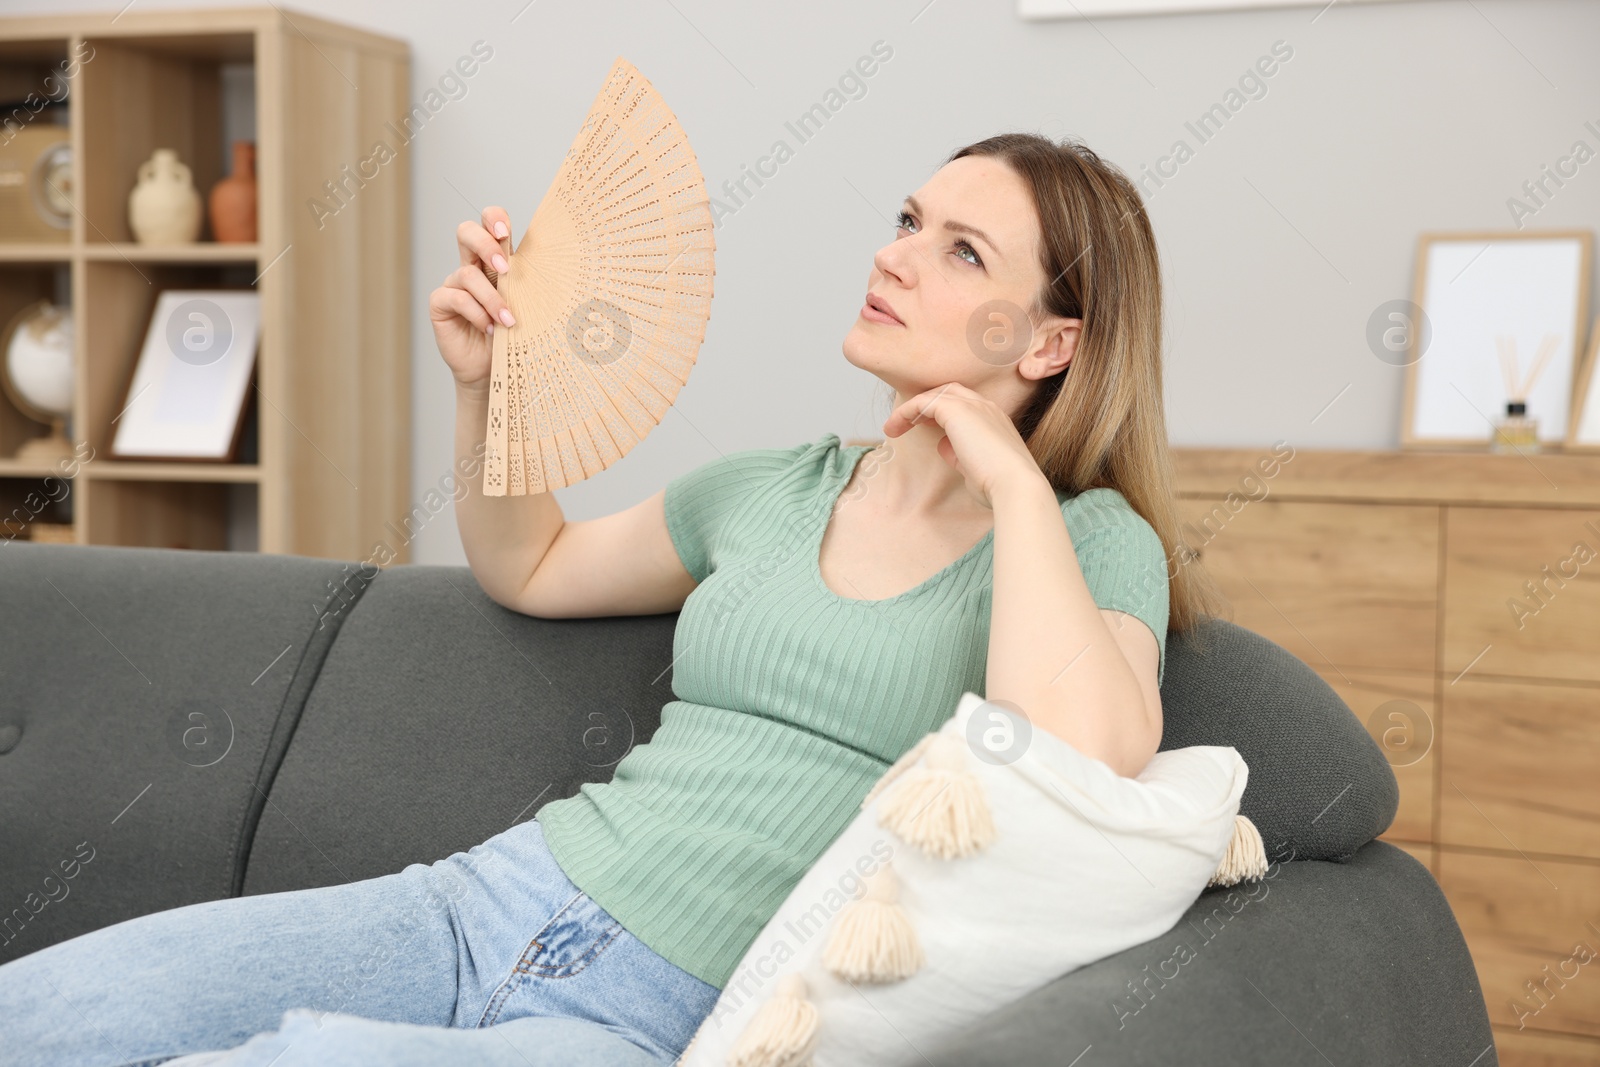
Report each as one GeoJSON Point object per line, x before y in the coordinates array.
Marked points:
{"type": "Point", "coordinates": [1529, 1048]}
{"type": "Point", "coordinates": [1518, 767]}
{"type": "Point", "coordinates": [1522, 592]}
{"type": "Point", "coordinates": [1353, 585]}
{"type": "Point", "coordinates": [1397, 710]}
{"type": "Point", "coordinates": [1523, 920]}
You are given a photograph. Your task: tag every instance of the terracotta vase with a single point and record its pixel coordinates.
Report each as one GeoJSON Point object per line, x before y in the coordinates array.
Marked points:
{"type": "Point", "coordinates": [233, 199]}
{"type": "Point", "coordinates": [164, 208]}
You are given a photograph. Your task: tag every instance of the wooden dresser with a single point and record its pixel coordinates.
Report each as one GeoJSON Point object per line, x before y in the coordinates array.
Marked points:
{"type": "Point", "coordinates": [1453, 601]}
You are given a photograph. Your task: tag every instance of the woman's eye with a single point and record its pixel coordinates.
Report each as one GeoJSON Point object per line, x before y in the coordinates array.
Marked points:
{"type": "Point", "coordinates": [903, 221]}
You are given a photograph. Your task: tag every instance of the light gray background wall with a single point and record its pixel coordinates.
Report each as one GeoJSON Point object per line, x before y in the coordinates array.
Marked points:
{"type": "Point", "coordinates": [1279, 237]}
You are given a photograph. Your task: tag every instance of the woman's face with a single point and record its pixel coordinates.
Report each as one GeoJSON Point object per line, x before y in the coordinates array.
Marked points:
{"type": "Point", "coordinates": [961, 269]}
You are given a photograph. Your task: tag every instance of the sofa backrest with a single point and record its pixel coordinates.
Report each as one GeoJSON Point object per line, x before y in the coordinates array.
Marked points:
{"type": "Point", "coordinates": [441, 718]}
{"type": "Point", "coordinates": [1320, 787]}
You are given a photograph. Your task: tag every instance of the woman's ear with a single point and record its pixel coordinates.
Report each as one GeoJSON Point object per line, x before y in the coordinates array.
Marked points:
{"type": "Point", "coordinates": [1058, 345]}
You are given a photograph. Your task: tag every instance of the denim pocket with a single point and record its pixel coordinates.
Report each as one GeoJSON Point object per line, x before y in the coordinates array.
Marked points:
{"type": "Point", "coordinates": [574, 938]}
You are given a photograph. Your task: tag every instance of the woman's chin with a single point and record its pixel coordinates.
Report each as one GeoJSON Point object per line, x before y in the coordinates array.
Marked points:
{"type": "Point", "coordinates": [863, 350]}
{"type": "Point", "coordinates": [853, 349]}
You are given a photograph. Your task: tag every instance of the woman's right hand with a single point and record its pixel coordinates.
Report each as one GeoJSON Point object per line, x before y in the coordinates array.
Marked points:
{"type": "Point", "coordinates": [466, 308]}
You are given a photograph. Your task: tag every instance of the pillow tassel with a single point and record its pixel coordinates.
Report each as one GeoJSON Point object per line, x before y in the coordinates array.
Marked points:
{"type": "Point", "coordinates": [1246, 856]}
{"type": "Point", "coordinates": [783, 1033]}
{"type": "Point", "coordinates": [939, 807]}
{"type": "Point", "coordinates": [873, 940]}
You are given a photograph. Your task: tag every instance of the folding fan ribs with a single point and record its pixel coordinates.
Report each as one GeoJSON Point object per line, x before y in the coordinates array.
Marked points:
{"type": "Point", "coordinates": [610, 288]}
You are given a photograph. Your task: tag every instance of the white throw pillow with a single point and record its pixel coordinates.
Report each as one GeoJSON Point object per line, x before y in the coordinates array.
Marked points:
{"type": "Point", "coordinates": [990, 859]}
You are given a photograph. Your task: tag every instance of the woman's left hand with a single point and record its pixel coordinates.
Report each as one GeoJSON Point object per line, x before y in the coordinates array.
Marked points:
{"type": "Point", "coordinates": [980, 440]}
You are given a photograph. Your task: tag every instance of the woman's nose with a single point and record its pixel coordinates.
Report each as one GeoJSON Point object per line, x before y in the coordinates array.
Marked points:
{"type": "Point", "coordinates": [894, 261]}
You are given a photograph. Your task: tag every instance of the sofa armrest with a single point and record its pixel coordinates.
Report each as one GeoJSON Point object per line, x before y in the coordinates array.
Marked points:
{"type": "Point", "coordinates": [1320, 962]}
{"type": "Point", "coordinates": [150, 695]}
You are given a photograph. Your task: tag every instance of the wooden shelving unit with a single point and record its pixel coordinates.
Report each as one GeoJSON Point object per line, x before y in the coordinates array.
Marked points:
{"type": "Point", "coordinates": [1398, 576]}
{"type": "Point", "coordinates": [324, 464]}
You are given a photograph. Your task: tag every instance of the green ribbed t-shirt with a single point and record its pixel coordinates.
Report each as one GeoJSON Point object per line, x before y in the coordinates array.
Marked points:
{"type": "Point", "coordinates": [792, 700]}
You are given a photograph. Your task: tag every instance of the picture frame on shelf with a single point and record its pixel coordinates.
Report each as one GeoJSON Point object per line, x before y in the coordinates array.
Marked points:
{"type": "Point", "coordinates": [187, 397]}
{"type": "Point", "coordinates": [1583, 433]}
{"type": "Point", "coordinates": [1502, 311]}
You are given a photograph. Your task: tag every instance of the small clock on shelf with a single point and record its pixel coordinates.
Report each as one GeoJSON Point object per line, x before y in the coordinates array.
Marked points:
{"type": "Point", "coordinates": [36, 184]}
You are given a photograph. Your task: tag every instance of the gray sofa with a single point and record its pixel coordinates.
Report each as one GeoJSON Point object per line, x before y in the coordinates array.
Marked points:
{"type": "Point", "coordinates": [209, 724]}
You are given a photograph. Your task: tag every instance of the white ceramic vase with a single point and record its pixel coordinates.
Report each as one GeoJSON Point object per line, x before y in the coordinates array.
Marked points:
{"type": "Point", "coordinates": [164, 207]}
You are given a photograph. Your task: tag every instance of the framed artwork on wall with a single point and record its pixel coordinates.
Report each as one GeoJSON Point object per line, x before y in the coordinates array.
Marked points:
{"type": "Point", "coordinates": [1503, 318]}
{"type": "Point", "coordinates": [1091, 9]}
{"type": "Point", "coordinates": [1584, 433]}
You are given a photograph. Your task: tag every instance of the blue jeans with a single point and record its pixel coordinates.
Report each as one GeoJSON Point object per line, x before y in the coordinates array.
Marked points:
{"type": "Point", "coordinates": [490, 956]}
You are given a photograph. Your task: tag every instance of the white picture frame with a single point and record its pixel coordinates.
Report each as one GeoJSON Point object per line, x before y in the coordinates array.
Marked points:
{"type": "Point", "coordinates": [1483, 294]}
{"type": "Point", "coordinates": [186, 400]}
{"type": "Point", "coordinates": [1583, 435]}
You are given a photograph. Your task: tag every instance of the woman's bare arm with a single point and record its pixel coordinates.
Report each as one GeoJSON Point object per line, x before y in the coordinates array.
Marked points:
{"type": "Point", "coordinates": [521, 549]}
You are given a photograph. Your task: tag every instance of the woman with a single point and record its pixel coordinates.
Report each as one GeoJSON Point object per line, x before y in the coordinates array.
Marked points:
{"type": "Point", "coordinates": [1010, 536]}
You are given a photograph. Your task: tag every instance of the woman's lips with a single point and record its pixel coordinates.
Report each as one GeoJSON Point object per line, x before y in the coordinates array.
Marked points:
{"type": "Point", "coordinates": [872, 314]}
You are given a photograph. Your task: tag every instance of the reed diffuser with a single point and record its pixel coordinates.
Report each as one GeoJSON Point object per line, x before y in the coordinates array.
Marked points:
{"type": "Point", "coordinates": [1517, 431]}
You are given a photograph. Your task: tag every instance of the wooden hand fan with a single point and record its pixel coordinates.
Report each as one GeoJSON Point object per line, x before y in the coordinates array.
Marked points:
{"type": "Point", "coordinates": [610, 288]}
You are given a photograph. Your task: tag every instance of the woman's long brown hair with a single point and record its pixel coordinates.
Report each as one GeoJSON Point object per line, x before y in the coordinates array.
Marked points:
{"type": "Point", "coordinates": [1101, 421]}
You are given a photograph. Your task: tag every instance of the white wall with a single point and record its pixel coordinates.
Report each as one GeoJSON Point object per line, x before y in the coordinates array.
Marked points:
{"type": "Point", "coordinates": [1280, 236]}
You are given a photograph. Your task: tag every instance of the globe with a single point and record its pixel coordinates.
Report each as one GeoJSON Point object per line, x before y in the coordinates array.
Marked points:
{"type": "Point", "coordinates": [38, 371]}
